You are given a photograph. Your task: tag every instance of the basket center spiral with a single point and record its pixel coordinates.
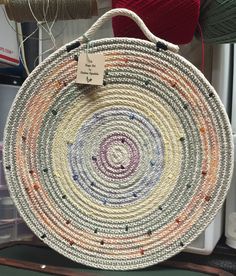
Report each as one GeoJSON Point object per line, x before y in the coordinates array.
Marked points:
{"type": "Point", "coordinates": [117, 156]}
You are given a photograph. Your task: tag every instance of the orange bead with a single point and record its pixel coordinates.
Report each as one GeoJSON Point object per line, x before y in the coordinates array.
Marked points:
{"type": "Point", "coordinates": [36, 186]}
{"type": "Point", "coordinates": [204, 172]}
{"type": "Point", "coordinates": [173, 83]}
{"type": "Point", "coordinates": [207, 198]}
{"type": "Point", "coordinates": [202, 130]}
{"type": "Point", "coordinates": [58, 84]}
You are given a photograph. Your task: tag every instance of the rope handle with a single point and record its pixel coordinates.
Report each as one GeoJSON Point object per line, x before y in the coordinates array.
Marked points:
{"type": "Point", "coordinates": [125, 12]}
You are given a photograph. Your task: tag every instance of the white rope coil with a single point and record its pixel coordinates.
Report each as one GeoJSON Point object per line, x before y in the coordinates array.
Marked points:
{"type": "Point", "coordinates": [125, 12]}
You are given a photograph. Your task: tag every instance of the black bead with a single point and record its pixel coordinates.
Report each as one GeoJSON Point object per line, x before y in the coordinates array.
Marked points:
{"type": "Point", "coordinates": [94, 158]}
{"type": "Point", "coordinates": [161, 45]}
{"type": "Point", "coordinates": [72, 46]}
{"type": "Point", "coordinates": [211, 94]}
{"type": "Point", "coordinates": [75, 177]}
{"type": "Point", "coordinates": [54, 112]}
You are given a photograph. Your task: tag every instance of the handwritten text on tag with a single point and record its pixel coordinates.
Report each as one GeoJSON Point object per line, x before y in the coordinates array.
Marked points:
{"type": "Point", "coordinates": [90, 68]}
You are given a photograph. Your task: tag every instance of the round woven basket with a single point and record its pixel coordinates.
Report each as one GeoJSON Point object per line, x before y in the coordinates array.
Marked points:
{"type": "Point", "coordinates": [126, 174]}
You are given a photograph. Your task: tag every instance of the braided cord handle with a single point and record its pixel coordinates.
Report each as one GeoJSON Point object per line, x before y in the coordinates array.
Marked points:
{"type": "Point", "coordinates": [125, 12]}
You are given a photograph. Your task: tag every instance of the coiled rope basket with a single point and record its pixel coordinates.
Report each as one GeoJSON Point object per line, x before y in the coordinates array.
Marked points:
{"type": "Point", "coordinates": [126, 174]}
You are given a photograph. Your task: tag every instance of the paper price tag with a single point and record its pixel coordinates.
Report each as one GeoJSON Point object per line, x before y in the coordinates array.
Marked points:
{"type": "Point", "coordinates": [90, 68]}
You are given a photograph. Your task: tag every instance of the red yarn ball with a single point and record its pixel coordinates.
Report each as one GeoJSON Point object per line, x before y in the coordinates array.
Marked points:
{"type": "Point", "coordinates": [172, 20]}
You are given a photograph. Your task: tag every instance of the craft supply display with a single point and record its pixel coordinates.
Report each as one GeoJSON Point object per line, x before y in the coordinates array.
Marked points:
{"type": "Point", "coordinates": [122, 175]}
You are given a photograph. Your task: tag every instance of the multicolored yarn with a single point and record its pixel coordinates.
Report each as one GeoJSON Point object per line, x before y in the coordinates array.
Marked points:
{"type": "Point", "coordinates": [124, 175]}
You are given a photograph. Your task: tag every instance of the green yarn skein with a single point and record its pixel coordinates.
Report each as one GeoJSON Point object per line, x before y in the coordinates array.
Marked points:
{"type": "Point", "coordinates": [218, 21]}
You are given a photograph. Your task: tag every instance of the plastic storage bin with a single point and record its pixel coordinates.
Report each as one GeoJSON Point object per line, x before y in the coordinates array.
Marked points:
{"type": "Point", "coordinates": [12, 227]}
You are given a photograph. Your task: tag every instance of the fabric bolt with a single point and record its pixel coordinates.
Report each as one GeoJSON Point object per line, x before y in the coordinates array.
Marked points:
{"type": "Point", "coordinates": [172, 20]}
{"type": "Point", "coordinates": [123, 175]}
